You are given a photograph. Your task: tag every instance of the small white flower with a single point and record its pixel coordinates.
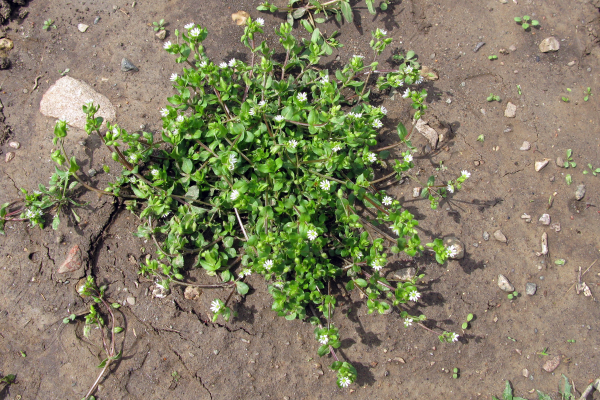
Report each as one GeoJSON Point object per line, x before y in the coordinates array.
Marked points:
{"type": "Point", "coordinates": [301, 97]}
{"type": "Point", "coordinates": [223, 65]}
{"type": "Point", "coordinates": [406, 93]}
{"type": "Point", "coordinates": [377, 124]}
{"type": "Point", "coordinates": [164, 112]}
{"type": "Point", "coordinates": [195, 32]}
{"type": "Point", "coordinates": [278, 285]}
{"type": "Point", "coordinates": [465, 173]}
{"type": "Point", "coordinates": [203, 64]}
{"type": "Point", "coordinates": [395, 230]}
{"type": "Point", "coordinates": [260, 21]}
{"type": "Point", "coordinates": [323, 339]}
{"type": "Point", "coordinates": [189, 26]}
{"type": "Point", "coordinates": [408, 158]}
{"type": "Point", "coordinates": [408, 322]}
{"type": "Point", "coordinates": [414, 295]}
{"type": "Point", "coordinates": [165, 215]}
{"type": "Point", "coordinates": [155, 172]}
{"type": "Point", "coordinates": [245, 272]}
{"type": "Point", "coordinates": [167, 45]}
{"type": "Point", "coordinates": [262, 103]}
{"type": "Point", "coordinates": [180, 118]}
{"type": "Point", "coordinates": [251, 112]}
{"type": "Point", "coordinates": [279, 118]}
{"type": "Point", "coordinates": [454, 337]}
{"type": "Point", "coordinates": [419, 81]}
{"type": "Point", "coordinates": [408, 70]}
{"type": "Point", "coordinates": [336, 148]}
{"type": "Point", "coordinates": [450, 188]}
{"type": "Point", "coordinates": [325, 184]}
{"type": "Point", "coordinates": [372, 157]}
{"type": "Point", "coordinates": [312, 235]}
{"type": "Point", "coordinates": [359, 255]}
{"type": "Point", "coordinates": [358, 56]}
{"type": "Point", "coordinates": [175, 132]}
{"type": "Point", "coordinates": [325, 79]}
{"type": "Point", "coordinates": [232, 161]}
{"type": "Point", "coordinates": [232, 62]}
{"type": "Point", "coordinates": [174, 77]}
{"type": "Point", "coordinates": [376, 266]}
{"type": "Point", "coordinates": [383, 110]}
{"type": "Point", "coordinates": [234, 195]}
{"type": "Point", "coordinates": [292, 143]}
{"type": "Point", "coordinates": [215, 306]}
{"type": "Point", "coordinates": [133, 158]}
{"type": "Point", "coordinates": [383, 31]}
{"type": "Point", "coordinates": [452, 251]}
{"type": "Point", "coordinates": [345, 381]}
{"type": "Point", "coordinates": [387, 201]}
{"type": "Point", "coordinates": [268, 265]}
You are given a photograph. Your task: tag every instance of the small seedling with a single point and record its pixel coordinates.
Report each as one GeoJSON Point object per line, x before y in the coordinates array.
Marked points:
{"type": "Point", "coordinates": [493, 97]}
{"type": "Point", "coordinates": [384, 5]}
{"type": "Point", "coordinates": [592, 170]}
{"type": "Point", "coordinates": [455, 373]}
{"type": "Point", "coordinates": [560, 261]}
{"type": "Point", "coordinates": [526, 22]}
{"type": "Point", "coordinates": [519, 89]}
{"type": "Point", "coordinates": [568, 179]}
{"type": "Point", "coordinates": [588, 93]}
{"type": "Point", "coordinates": [465, 325]}
{"type": "Point", "coordinates": [8, 379]}
{"type": "Point", "coordinates": [508, 394]}
{"type": "Point", "coordinates": [569, 162]}
{"type": "Point", "coordinates": [49, 23]}
{"type": "Point", "coordinates": [571, 341]}
{"type": "Point", "coordinates": [565, 99]}
{"type": "Point", "coordinates": [544, 352]}
{"type": "Point", "coordinates": [159, 26]}
{"type": "Point", "coordinates": [480, 138]}
{"type": "Point", "coordinates": [493, 57]}
{"type": "Point", "coordinates": [513, 339]}
{"type": "Point", "coordinates": [63, 73]}
{"type": "Point", "coordinates": [69, 318]}
{"type": "Point", "coordinates": [23, 354]}
{"type": "Point", "coordinates": [513, 295]}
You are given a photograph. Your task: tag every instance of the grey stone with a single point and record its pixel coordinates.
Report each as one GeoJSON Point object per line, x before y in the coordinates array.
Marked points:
{"type": "Point", "coordinates": [560, 163]}
{"type": "Point", "coordinates": [525, 146]}
{"type": "Point", "coordinates": [549, 44]}
{"type": "Point", "coordinates": [65, 98]}
{"type": "Point", "coordinates": [131, 300]}
{"type": "Point", "coordinates": [504, 284]}
{"type": "Point", "coordinates": [127, 66]}
{"type": "Point", "coordinates": [530, 288]}
{"type": "Point", "coordinates": [545, 219]}
{"type": "Point", "coordinates": [511, 110]}
{"type": "Point", "coordinates": [405, 274]}
{"type": "Point", "coordinates": [512, 47]}
{"type": "Point", "coordinates": [580, 192]}
{"type": "Point", "coordinates": [161, 34]}
{"type": "Point", "coordinates": [499, 236]}
{"type": "Point", "coordinates": [458, 246]}
{"type": "Point", "coordinates": [92, 172]}
{"type": "Point", "coordinates": [4, 63]}
{"type": "Point", "coordinates": [486, 236]}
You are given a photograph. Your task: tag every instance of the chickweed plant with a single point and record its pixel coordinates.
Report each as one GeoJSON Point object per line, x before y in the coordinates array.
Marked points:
{"type": "Point", "coordinates": [527, 22]}
{"type": "Point", "coordinates": [49, 23]}
{"type": "Point", "coordinates": [266, 168]}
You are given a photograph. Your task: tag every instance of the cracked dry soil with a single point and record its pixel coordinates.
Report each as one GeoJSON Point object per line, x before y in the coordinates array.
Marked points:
{"type": "Point", "coordinates": [258, 355]}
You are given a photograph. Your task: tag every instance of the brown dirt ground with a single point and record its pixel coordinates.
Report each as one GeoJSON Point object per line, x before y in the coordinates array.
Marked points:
{"type": "Point", "coordinates": [258, 355]}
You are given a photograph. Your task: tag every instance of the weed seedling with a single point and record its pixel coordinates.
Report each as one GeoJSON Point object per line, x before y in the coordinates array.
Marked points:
{"type": "Point", "coordinates": [592, 170]}
{"type": "Point", "coordinates": [7, 380]}
{"type": "Point", "coordinates": [525, 21]}
{"type": "Point", "coordinates": [565, 99]}
{"type": "Point", "coordinates": [588, 93]}
{"type": "Point", "coordinates": [544, 352]}
{"type": "Point", "coordinates": [560, 261]}
{"type": "Point", "coordinates": [455, 373]}
{"type": "Point", "coordinates": [513, 295]}
{"type": "Point", "coordinates": [160, 25]}
{"type": "Point", "coordinates": [519, 89]}
{"type": "Point", "coordinates": [569, 162]}
{"type": "Point", "coordinates": [571, 341]}
{"type": "Point", "coordinates": [508, 393]}
{"type": "Point", "coordinates": [493, 97]}
{"type": "Point", "coordinates": [568, 179]}
{"type": "Point", "coordinates": [49, 23]}
{"type": "Point", "coordinates": [465, 325]}
{"type": "Point", "coordinates": [481, 138]}
{"type": "Point", "coordinates": [493, 57]}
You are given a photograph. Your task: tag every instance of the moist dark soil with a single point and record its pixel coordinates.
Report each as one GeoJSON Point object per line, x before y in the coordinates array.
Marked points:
{"type": "Point", "coordinates": [171, 349]}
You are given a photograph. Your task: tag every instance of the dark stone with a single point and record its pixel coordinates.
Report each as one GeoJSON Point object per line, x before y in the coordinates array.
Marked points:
{"type": "Point", "coordinates": [127, 66]}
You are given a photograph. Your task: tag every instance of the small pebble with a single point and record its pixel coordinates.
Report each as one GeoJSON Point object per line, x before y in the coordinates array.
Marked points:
{"type": "Point", "coordinates": [580, 192]}
{"type": "Point", "coordinates": [131, 300]}
{"type": "Point", "coordinates": [486, 236]}
{"type": "Point", "coordinates": [539, 165]}
{"type": "Point", "coordinates": [499, 236]}
{"type": "Point", "coordinates": [96, 20]}
{"type": "Point", "coordinates": [530, 288]}
{"type": "Point", "coordinates": [512, 47]}
{"type": "Point", "coordinates": [416, 191]}
{"type": "Point", "coordinates": [525, 146]}
{"type": "Point", "coordinates": [511, 110]}
{"type": "Point", "coordinates": [504, 284]}
{"type": "Point", "coordinates": [545, 219]}
{"type": "Point", "coordinates": [14, 145]}
{"type": "Point", "coordinates": [9, 156]}
{"type": "Point", "coordinates": [127, 65]}
{"type": "Point", "coordinates": [92, 172]}
{"type": "Point", "coordinates": [82, 27]}
{"type": "Point", "coordinates": [216, 352]}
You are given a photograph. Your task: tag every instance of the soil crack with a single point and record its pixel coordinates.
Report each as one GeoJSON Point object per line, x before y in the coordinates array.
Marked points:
{"type": "Point", "coordinates": [95, 240]}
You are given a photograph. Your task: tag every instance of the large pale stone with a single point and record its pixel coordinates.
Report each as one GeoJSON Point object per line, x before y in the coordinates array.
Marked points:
{"type": "Point", "coordinates": [64, 100]}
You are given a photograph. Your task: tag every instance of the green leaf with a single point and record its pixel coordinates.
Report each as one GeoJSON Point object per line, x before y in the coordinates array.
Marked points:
{"type": "Point", "coordinates": [242, 288]}
{"type": "Point", "coordinates": [507, 394]}
{"type": "Point", "coordinates": [410, 54]}
{"type": "Point", "coordinates": [402, 132]}
{"type": "Point", "coordinates": [541, 396]}
{"type": "Point", "coordinates": [361, 282]}
{"type": "Point", "coordinates": [187, 165]}
{"type": "Point", "coordinates": [518, 19]}
{"type": "Point", "coordinates": [370, 6]}
{"type": "Point", "coordinates": [55, 221]}
{"type": "Point", "coordinates": [525, 25]}
{"type": "Point", "coordinates": [560, 261]}
{"type": "Point", "coordinates": [118, 329]}
{"type": "Point", "coordinates": [383, 6]}
{"type": "Point", "coordinates": [469, 317]}
{"type": "Point", "coordinates": [350, 285]}
{"type": "Point", "coordinates": [193, 192]}
{"type": "Point", "coordinates": [346, 10]}
{"type": "Point", "coordinates": [299, 13]}
{"type": "Point", "coordinates": [324, 349]}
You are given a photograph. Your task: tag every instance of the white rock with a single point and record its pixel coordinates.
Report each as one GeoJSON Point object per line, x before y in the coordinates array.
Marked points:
{"type": "Point", "coordinates": [65, 98]}
{"type": "Point", "coordinates": [545, 219]}
{"type": "Point", "coordinates": [505, 284]}
{"type": "Point", "coordinates": [511, 110]}
{"type": "Point", "coordinates": [428, 132]}
{"type": "Point", "coordinates": [131, 300]}
{"type": "Point", "coordinates": [499, 236]}
{"type": "Point", "coordinates": [541, 164]}
{"type": "Point", "coordinates": [549, 44]}
{"type": "Point", "coordinates": [525, 146]}
{"type": "Point", "coordinates": [416, 192]}
{"type": "Point", "coordinates": [82, 27]}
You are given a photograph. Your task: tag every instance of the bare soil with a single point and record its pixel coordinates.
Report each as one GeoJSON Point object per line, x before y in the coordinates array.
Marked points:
{"type": "Point", "coordinates": [258, 355]}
